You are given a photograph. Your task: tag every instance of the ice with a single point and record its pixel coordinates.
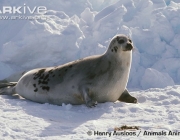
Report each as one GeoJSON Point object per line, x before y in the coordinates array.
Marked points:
{"type": "Point", "coordinates": [152, 78]}
{"type": "Point", "coordinates": [88, 16]}
{"type": "Point", "coordinates": [87, 28]}
{"type": "Point", "coordinates": [5, 70]}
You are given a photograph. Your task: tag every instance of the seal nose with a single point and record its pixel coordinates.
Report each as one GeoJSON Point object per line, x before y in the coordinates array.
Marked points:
{"type": "Point", "coordinates": [129, 46]}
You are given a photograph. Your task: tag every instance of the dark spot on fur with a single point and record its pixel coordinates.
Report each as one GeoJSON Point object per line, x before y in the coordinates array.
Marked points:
{"type": "Point", "coordinates": [45, 88]}
{"type": "Point", "coordinates": [72, 86]}
{"type": "Point", "coordinates": [65, 69]}
{"type": "Point", "coordinates": [70, 66]}
{"type": "Point", "coordinates": [51, 71]}
{"type": "Point", "coordinates": [35, 73]}
{"type": "Point", "coordinates": [116, 48]}
{"type": "Point", "coordinates": [34, 85]}
{"type": "Point", "coordinates": [112, 50]}
{"type": "Point", "coordinates": [41, 71]}
{"type": "Point", "coordinates": [53, 75]}
{"type": "Point", "coordinates": [113, 42]}
{"type": "Point", "coordinates": [130, 40]}
{"type": "Point", "coordinates": [36, 90]}
{"type": "Point", "coordinates": [41, 77]}
{"type": "Point", "coordinates": [44, 82]}
{"type": "Point", "coordinates": [59, 74]}
{"type": "Point", "coordinates": [47, 76]}
{"type": "Point", "coordinates": [38, 74]}
{"type": "Point", "coordinates": [39, 82]}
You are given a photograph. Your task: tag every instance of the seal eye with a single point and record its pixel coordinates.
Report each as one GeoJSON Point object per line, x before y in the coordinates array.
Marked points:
{"type": "Point", "coordinates": [121, 41]}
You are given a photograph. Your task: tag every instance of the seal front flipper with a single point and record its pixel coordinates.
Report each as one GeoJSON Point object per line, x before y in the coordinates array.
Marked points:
{"type": "Point", "coordinates": [126, 97]}
{"type": "Point", "coordinates": [88, 97]}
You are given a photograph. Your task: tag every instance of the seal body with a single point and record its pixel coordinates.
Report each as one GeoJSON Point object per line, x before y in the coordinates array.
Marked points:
{"type": "Point", "coordinates": [101, 78]}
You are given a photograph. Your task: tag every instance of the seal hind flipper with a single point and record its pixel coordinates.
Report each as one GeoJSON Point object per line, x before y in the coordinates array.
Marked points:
{"type": "Point", "coordinates": [126, 97]}
{"type": "Point", "coordinates": [7, 88]}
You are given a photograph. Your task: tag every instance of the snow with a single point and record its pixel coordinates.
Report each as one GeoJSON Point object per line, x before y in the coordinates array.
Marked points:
{"type": "Point", "coordinates": [157, 110]}
{"type": "Point", "coordinates": [76, 29]}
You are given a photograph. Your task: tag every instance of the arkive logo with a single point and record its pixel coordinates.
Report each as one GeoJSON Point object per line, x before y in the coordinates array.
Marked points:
{"type": "Point", "coordinates": [23, 9]}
